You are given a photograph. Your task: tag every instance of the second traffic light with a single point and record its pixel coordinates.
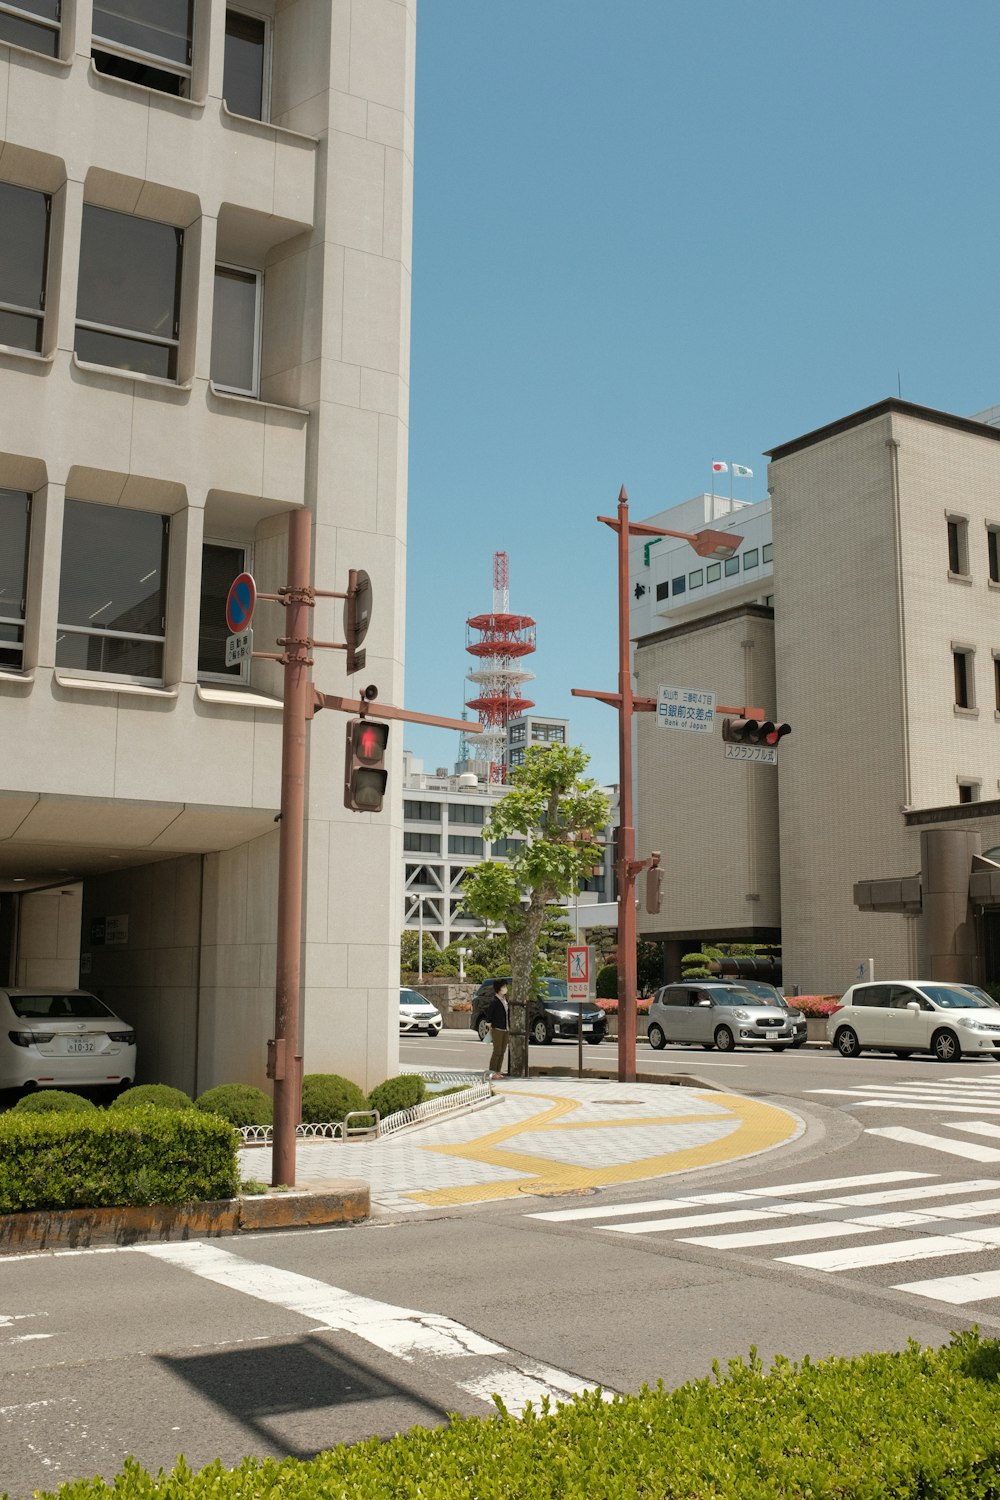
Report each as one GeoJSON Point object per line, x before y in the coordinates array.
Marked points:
{"type": "Point", "coordinates": [753, 731]}
{"type": "Point", "coordinates": [365, 773]}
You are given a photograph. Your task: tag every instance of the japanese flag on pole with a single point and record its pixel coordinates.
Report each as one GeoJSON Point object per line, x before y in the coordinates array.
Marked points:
{"type": "Point", "coordinates": [718, 468]}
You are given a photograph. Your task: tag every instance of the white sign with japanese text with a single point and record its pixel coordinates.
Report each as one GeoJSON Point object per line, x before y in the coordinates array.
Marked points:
{"type": "Point", "coordinates": [758, 755]}
{"type": "Point", "coordinates": [685, 708]}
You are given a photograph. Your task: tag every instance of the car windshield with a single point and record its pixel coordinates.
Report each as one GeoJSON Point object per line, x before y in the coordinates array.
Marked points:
{"type": "Point", "coordinates": [59, 1008]}
{"type": "Point", "coordinates": [762, 991]}
{"type": "Point", "coordinates": [974, 989]}
{"type": "Point", "coordinates": [734, 997]}
{"type": "Point", "coordinates": [555, 989]}
{"type": "Point", "coordinates": [411, 997]}
{"type": "Point", "coordinates": [955, 997]}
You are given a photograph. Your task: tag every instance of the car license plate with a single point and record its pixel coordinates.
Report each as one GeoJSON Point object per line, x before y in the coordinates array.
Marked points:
{"type": "Point", "coordinates": [588, 1025]}
{"type": "Point", "coordinates": [79, 1045]}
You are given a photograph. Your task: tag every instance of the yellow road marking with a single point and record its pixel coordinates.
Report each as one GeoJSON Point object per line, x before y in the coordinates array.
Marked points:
{"type": "Point", "coordinates": [755, 1127]}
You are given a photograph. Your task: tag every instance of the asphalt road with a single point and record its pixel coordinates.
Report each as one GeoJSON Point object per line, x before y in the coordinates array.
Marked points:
{"type": "Point", "coordinates": [859, 1235]}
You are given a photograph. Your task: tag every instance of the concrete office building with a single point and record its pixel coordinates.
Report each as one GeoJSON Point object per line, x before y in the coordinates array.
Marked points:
{"type": "Point", "coordinates": [878, 639]}
{"type": "Point", "coordinates": [205, 226]}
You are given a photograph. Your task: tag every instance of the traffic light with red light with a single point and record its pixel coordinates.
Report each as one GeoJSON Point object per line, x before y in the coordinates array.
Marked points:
{"type": "Point", "coordinates": [365, 773]}
{"type": "Point", "coordinates": [753, 731]}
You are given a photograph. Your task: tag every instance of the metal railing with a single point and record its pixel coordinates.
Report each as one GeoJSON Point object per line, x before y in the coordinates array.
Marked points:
{"type": "Point", "coordinates": [374, 1127]}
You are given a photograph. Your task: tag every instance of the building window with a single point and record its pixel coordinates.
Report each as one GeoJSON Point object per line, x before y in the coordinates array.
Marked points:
{"type": "Point", "coordinates": [750, 559]}
{"type": "Point", "coordinates": [713, 572]}
{"type": "Point", "coordinates": [516, 758]}
{"type": "Point", "coordinates": [465, 812]}
{"type": "Point", "coordinates": [996, 679]}
{"type": "Point", "coordinates": [421, 843]}
{"type": "Point", "coordinates": [968, 791]}
{"type": "Point", "coordinates": [993, 549]}
{"type": "Point", "coordinates": [31, 23]}
{"type": "Point", "coordinates": [15, 511]}
{"type": "Point", "coordinates": [962, 661]}
{"type": "Point", "coordinates": [220, 565]}
{"type": "Point", "coordinates": [505, 848]}
{"type": "Point", "coordinates": [769, 600]}
{"type": "Point", "coordinates": [958, 545]}
{"type": "Point", "coordinates": [145, 41]}
{"type": "Point", "coordinates": [236, 313]}
{"type": "Point", "coordinates": [422, 812]}
{"type": "Point", "coordinates": [767, 552]}
{"type": "Point", "coordinates": [244, 82]}
{"type": "Point", "coordinates": [518, 733]}
{"type": "Point", "coordinates": [461, 844]}
{"type": "Point", "coordinates": [128, 302]}
{"type": "Point", "coordinates": [732, 566]}
{"type": "Point", "coordinates": [662, 591]}
{"type": "Point", "coordinates": [696, 579]}
{"type": "Point", "coordinates": [24, 247]}
{"type": "Point", "coordinates": [112, 591]}
{"type": "Point", "coordinates": [678, 585]}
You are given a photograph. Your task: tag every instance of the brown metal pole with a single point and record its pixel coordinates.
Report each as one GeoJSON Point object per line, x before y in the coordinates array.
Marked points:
{"type": "Point", "coordinates": [285, 1061]}
{"type": "Point", "coordinates": [626, 832]}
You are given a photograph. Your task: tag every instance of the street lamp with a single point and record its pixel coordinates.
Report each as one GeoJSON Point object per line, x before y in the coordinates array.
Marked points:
{"type": "Point", "coordinates": [707, 543]}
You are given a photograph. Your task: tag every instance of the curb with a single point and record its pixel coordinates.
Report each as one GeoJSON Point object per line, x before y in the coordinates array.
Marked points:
{"type": "Point", "coordinates": [343, 1202]}
{"type": "Point", "coordinates": [599, 1075]}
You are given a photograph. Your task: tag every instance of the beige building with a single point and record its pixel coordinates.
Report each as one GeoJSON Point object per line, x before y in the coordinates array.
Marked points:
{"type": "Point", "coordinates": [205, 228]}
{"type": "Point", "coordinates": [886, 641]}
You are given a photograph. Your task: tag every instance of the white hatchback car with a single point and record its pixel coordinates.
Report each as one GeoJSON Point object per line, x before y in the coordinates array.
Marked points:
{"type": "Point", "coordinates": [916, 1015]}
{"type": "Point", "coordinates": [418, 1014]}
{"type": "Point", "coordinates": [61, 1039]}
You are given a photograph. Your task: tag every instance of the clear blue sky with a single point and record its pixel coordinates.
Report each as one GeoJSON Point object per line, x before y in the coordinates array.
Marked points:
{"type": "Point", "coordinates": [653, 233]}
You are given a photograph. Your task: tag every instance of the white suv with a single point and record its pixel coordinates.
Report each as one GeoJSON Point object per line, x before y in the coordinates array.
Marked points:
{"type": "Point", "coordinates": [916, 1015]}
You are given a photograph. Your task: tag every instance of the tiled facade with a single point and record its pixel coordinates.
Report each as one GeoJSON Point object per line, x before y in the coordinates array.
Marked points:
{"type": "Point", "coordinates": [159, 792]}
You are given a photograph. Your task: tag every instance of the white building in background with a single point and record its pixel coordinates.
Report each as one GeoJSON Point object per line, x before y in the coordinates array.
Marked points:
{"type": "Point", "coordinates": [205, 224]}
{"type": "Point", "coordinates": [444, 815]}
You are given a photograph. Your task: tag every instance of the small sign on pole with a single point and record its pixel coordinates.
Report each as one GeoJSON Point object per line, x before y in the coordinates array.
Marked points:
{"type": "Point", "coordinates": [239, 648]}
{"type": "Point", "coordinates": [240, 603]}
{"type": "Point", "coordinates": [578, 972]}
{"type": "Point", "coordinates": [685, 708]}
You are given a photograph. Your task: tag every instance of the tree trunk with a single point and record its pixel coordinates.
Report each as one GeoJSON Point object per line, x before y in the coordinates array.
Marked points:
{"type": "Point", "coordinates": [522, 953]}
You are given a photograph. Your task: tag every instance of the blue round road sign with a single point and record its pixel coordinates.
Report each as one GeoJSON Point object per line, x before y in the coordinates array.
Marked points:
{"type": "Point", "coordinates": [240, 603]}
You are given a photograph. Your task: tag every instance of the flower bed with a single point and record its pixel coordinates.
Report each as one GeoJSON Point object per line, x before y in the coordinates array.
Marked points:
{"type": "Point", "coordinates": [814, 1005]}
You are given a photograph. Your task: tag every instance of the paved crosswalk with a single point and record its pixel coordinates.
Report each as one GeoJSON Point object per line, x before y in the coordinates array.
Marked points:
{"type": "Point", "coordinates": [950, 1100]}
{"type": "Point", "coordinates": [868, 1209]}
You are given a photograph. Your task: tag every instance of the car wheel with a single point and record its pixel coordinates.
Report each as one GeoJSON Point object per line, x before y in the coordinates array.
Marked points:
{"type": "Point", "coordinates": [944, 1045]}
{"type": "Point", "coordinates": [708, 1046]}
{"type": "Point", "coordinates": [776, 1048]}
{"type": "Point", "coordinates": [656, 1038]}
{"type": "Point", "coordinates": [846, 1042]}
{"type": "Point", "coordinates": [540, 1033]}
{"type": "Point", "coordinates": [800, 1041]}
{"type": "Point", "coordinates": [432, 1031]}
{"type": "Point", "coordinates": [594, 1041]}
{"type": "Point", "coordinates": [905, 1052]}
{"type": "Point", "coordinates": [484, 1030]}
{"type": "Point", "coordinates": [724, 1039]}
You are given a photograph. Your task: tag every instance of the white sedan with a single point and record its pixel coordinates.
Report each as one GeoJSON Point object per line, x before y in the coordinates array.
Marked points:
{"type": "Point", "coordinates": [61, 1039]}
{"type": "Point", "coordinates": [417, 1014]}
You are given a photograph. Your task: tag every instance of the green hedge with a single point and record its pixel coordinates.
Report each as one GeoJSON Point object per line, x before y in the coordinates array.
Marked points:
{"type": "Point", "coordinates": [160, 1095]}
{"type": "Point", "coordinates": [920, 1425]}
{"type": "Point", "coordinates": [327, 1098]}
{"type": "Point", "coordinates": [54, 1102]}
{"type": "Point", "coordinates": [114, 1157]}
{"type": "Point", "coordinates": [239, 1103]}
{"type": "Point", "coordinates": [398, 1093]}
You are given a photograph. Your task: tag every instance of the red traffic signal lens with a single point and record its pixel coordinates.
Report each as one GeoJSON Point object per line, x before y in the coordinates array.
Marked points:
{"type": "Point", "coordinates": [370, 742]}
{"type": "Point", "coordinates": [776, 732]}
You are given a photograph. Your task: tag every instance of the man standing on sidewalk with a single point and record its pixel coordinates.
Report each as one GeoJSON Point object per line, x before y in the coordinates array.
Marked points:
{"type": "Point", "coordinates": [497, 1017]}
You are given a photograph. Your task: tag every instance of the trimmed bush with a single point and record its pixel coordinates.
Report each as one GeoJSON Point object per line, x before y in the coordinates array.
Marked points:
{"type": "Point", "coordinates": [922, 1423]}
{"type": "Point", "coordinates": [398, 1093]}
{"type": "Point", "coordinates": [115, 1157]}
{"type": "Point", "coordinates": [239, 1103]}
{"type": "Point", "coordinates": [607, 982]}
{"type": "Point", "coordinates": [327, 1098]}
{"type": "Point", "coordinates": [54, 1102]}
{"type": "Point", "coordinates": [159, 1095]}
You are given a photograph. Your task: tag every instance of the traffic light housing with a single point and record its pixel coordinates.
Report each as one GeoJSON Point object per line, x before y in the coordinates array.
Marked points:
{"type": "Point", "coordinates": [753, 731]}
{"type": "Point", "coordinates": [654, 884]}
{"type": "Point", "coordinates": [365, 773]}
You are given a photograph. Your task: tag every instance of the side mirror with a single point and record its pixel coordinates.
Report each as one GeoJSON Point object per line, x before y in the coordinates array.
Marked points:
{"type": "Point", "coordinates": [913, 1005]}
{"type": "Point", "coordinates": [704, 1002]}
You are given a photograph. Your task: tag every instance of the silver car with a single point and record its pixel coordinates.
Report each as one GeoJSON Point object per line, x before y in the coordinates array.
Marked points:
{"type": "Point", "coordinates": [717, 1015]}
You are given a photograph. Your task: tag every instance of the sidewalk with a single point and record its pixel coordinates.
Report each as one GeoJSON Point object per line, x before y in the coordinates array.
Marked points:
{"type": "Point", "coordinates": [545, 1136]}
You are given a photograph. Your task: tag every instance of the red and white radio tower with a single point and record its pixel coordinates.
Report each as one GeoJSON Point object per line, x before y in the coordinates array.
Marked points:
{"type": "Point", "coordinates": [504, 639]}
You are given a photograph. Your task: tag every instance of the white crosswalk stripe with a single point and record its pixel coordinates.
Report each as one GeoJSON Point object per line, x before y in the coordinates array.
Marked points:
{"type": "Point", "coordinates": [968, 1150]}
{"type": "Point", "coordinates": [788, 1215]}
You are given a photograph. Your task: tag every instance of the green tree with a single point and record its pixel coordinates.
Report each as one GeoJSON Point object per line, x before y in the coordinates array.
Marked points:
{"type": "Point", "coordinates": [557, 812]}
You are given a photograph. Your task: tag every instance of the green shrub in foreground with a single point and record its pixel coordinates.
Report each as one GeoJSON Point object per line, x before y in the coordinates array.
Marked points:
{"type": "Point", "coordinates": [327, 1098]}
{"type": "Point", "coordinates": [398, 1093]}
{"type": "Point", "coordinates": [54, 1102]}
{"type": "Point", "coordinates": [920, 1425]}
{"type": "Point", "coordinates": [116, 1157]}
{"type": "Point", "coordinates": [239, 1103]}
{"type": "Point", "coordinates": [161, 1095]}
